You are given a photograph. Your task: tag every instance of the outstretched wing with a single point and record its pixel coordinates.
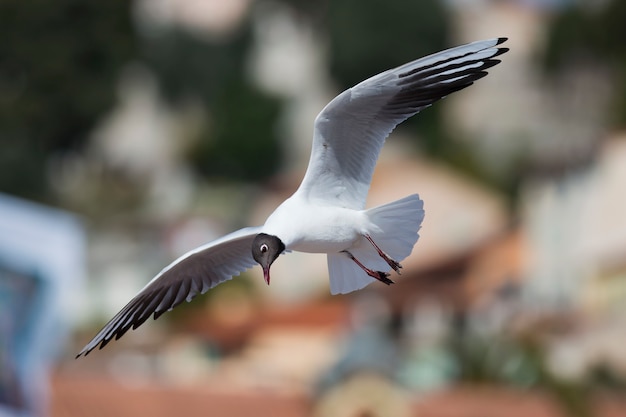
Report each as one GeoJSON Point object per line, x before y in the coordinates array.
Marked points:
{"type": "Point", "coordinates": [351, 129]}
{"type": "Point", "coordinates": [193, 273]}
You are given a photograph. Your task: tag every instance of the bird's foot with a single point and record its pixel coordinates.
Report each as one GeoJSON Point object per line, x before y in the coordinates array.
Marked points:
{"type": "Point", "coordinates": [393, 264]}
{"type": "Point", "coordinates": [382, 277]}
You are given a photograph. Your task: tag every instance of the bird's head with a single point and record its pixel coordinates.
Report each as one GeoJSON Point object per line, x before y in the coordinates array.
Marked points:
{"type": "Point", "coordinates": [265, 249]}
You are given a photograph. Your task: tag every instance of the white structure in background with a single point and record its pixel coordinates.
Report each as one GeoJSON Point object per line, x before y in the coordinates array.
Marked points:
{"type": "Point", "coordinates": [579, 236]}
{"type": "Point", "coordinates": [145, 139]}
{"type": "Point", "coordinates": [42, 268]}
{"type": "Point", "coordinates": [289, 59]}
{"type": "Point", "coordinates": [580, 259]}
{"type": "Point", "coordinates": [203, 18]}
{"type": "Point", "coordinates": [603, 247]}
{"type": "Point", "coordinates": [553, 219]}
{"type": "Point", "coordinates": [516, 111]}
{"type": "Point", "coordinates": [556, 124]}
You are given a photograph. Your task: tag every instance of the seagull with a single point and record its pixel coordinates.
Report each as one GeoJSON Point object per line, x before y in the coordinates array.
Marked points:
{"type": "Point", "coordinates": [327, 213]}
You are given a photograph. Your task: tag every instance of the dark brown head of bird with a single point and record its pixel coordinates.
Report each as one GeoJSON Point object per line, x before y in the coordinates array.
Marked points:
{"type": "Point", "coordinates": [265, 249]}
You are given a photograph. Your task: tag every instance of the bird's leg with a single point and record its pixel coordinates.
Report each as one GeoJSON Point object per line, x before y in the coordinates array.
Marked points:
{"type": "Point", "coordinates": [379, 275]}
{"type": "Point", "coordinates": [391, 262]}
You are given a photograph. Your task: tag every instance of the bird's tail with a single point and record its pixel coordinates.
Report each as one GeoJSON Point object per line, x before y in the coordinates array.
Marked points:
{"type": "Point", "coordinates": [397, 225]}
{"type": "Point", "coordinates": [395, 231]}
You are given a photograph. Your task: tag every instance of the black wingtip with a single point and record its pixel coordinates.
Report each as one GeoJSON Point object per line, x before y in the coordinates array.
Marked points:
{"type": "Point", "coordinates": [499, 52]}
{"type": "Point", "coordinates": [502, 40]}
{"type": "Point", "coordinates": [82, 353]}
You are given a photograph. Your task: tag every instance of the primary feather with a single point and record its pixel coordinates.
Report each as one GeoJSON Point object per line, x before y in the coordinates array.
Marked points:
{"type": "Point", "coordinates": [193, 273]}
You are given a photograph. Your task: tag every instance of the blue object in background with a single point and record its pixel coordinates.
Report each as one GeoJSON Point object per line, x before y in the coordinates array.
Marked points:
{"type": "Point", "coordinates": [42, 266]}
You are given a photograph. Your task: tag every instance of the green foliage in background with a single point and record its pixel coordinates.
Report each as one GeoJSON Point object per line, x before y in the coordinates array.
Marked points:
{"type": "Point", "coordinates": [370, 36]}
{"type": "Point", "coordinates": [190, 66]}
{"type": "Point", "coordinates": [588, 33]}
{"type": "Point", "coordinates": [59, 63]}
{"type": "Point", "coordinates": [240, 140]}
{"type": "Point", "coordinates": [59, 67]}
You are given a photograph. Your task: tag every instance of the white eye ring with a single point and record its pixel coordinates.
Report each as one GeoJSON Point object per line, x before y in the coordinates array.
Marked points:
{"type": "Point", "coordinates": [264, 248]}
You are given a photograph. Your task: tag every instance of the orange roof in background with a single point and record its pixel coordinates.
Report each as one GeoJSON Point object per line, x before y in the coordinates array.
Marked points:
{"type": "Point", "coordinates": [498, 263]}
{"type": "Point", "coordinates": [96, 396]}
{"type": "Point", "coordinates": [330, 314]}
{"type": "Point", "coordinates": [74, 396]}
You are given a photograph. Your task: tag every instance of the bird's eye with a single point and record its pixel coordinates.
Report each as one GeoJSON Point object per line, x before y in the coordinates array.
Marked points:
{"type": "Point", "coordinates": [264, 248]}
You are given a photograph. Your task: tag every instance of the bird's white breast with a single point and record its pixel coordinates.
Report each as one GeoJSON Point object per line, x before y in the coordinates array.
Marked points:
{"type": "Point", "coordinates": [304, 226]}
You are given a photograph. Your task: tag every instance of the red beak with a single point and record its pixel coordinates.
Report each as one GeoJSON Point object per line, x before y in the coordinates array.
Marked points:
{"type": "Point", "coordinates": [266, 274]}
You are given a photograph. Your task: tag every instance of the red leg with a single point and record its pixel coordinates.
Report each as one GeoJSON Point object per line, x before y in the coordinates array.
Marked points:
{"type": "Point", "coordinates": [379, 275]}
{"type": "Point", "coordinates": [391, 262]}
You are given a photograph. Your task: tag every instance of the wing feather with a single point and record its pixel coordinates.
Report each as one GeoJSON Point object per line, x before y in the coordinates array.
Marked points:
{"type": "Point", "coordinates": [351, 130]}
{"type": "Point", "coordinates": [193, 273]}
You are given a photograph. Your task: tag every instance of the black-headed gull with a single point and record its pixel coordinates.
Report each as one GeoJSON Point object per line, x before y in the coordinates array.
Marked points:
{"type": "Point", "coordinates": [327, 212]}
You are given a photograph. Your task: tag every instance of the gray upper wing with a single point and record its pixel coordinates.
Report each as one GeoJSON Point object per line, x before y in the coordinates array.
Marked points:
{"type": "Point", "coordinates": [351, 130]}
{"type": "Point", "coordinates": [193, 273]}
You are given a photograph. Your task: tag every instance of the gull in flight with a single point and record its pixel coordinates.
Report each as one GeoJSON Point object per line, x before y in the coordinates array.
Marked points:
{"type": "Point", "coordinates": [327, 212]}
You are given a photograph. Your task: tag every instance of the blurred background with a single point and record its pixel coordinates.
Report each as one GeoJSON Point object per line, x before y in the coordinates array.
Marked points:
{"type": "Point", "coordinates": [133, 131]}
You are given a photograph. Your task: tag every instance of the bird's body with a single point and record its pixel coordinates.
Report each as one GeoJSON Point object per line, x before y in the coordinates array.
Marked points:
{"type": "Point", "coordinates": [327, 212]}
{"type": "Point", "coordinates": [317, 228]}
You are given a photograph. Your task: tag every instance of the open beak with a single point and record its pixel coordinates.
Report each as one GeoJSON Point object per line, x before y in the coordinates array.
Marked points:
{"type": "Point", "coordinates": [266, 274]}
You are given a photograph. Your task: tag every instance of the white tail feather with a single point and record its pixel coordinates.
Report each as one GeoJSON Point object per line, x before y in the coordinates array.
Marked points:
{"type": "Point", "coordinates": [395, 231]}
{"type": "Point", "coordinates": [399, 223]}
{"type": "Point", "coordinates": [345, 275]}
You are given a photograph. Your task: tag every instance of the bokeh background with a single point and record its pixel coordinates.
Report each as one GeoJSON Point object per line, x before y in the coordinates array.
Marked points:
{"type": "Point", "coordinates": [133, 131]}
